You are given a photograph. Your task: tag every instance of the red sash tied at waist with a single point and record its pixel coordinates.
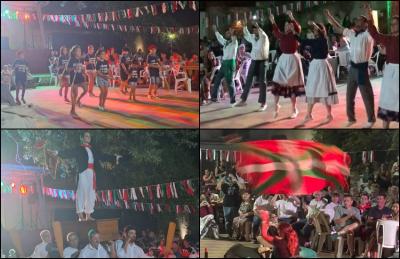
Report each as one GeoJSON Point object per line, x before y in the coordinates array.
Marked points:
{"type": "Point", "coordinates": [91, 166]}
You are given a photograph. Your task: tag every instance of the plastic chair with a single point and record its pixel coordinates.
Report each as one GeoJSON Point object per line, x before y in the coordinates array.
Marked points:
{"type": "Point", "coordinates": [390, 228]}
{"type": "Point", "coordinates": [320, 232]}
{"type": "Point", "coordinates": [374, 64]}
{"type": "Point", "coordinates": [181, 77]}
{"type": "Point", "coordinates": [343, 61]}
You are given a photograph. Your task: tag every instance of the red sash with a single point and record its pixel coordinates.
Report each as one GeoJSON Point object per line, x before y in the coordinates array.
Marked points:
{"type": "Point", "coordinates": [91, 166]}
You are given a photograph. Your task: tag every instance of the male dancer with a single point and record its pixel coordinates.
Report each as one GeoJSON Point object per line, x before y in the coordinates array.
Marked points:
{"type": "Point", "coordinates": [360, 52]}
{"type": "Point", "coordinates": [228, 67]}
{"type": "Point", "coordinates": [87, 158]}
{"type": "Point", "coordinates": [259, 58]}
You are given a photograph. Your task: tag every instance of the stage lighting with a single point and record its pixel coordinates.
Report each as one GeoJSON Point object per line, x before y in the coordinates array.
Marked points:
{"type": "Point", "coordinates": [171, 36]}
{"type": "Point", "coordinates": [23, 189]}
{"type": "Point", "coordinates": [254, 17]}
{"type": "Point", "coordinates": [2, 184]}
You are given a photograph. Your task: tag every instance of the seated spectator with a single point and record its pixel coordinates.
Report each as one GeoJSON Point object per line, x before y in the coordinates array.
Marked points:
{"type": "Point", "coordinates": [207, 221]}
{"type": "Point", "coordinates": [365, 203]}
{"type": "Point", "coordinates": [330, 208]}
{"type": "Point", "coordinates": [347, 219]}
{"type": "Point", "coordinates": [209, 178]}
{"type": "Point", "coordinates": [286, 208]}
{"type": "Point", "coordinates": [245, 215]}
{"type": "Point", "coordinates": [96, 250]}
{"type": "Point", "coordinates": [40, 250]}
{"type": "Point", "coordinates": [72, 251]}
{"type": "Point", "coordinates": [130, 249]}
{"type": "Point", "coordinates": [263, 202]}
{"type": "Point", "coordinates": [393, 196]}
{"type": "Point", "coordinates": [395, 211]}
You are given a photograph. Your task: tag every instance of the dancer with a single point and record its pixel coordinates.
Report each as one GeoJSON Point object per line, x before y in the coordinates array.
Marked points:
{"type": "Point", "coordinates": [153, 62]}
{"type": "Point", "coordinates": [90, 63]}
{"type": "Point", "coordinates": [258, 67]}
{"type": "Point", "coordinates": [288, 77]}
{"type": "Point", "coordinates": [389, 100]}
{"type": "Point", "coordinates": [53, 60]}
{"type": "Point", "coordinates": [20, 68]}
{"type": "Point", "coordinates": [243, 61]}
{"type": "Point", "coordinates": [124, 65]}
{"type": "Point", "coordinates": [165, 70]}
{"type": "Point", "coordinates": [102, 69]}
{"type": "Point", "coordinates": [133, 78]}
{"type": "Point", "coordinates": [77, 79]}
{"type": "Point", "coordinates": [113, 61]}
{"type": "Point", "coordinates": [361, 49]}
{"type": "Point", "coordinates": [227, 70]}
{"type": "Point", "coordinates": [62, 72]}
{"type": "Point", "coordinates": [88, 160]}
{"type": "Point", "coordinates": [321, 83]}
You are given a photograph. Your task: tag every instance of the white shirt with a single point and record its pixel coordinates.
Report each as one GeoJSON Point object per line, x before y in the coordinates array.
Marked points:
{"type": "Point", "coordinates": [90, 155]}
{"type": "Point", "coordinates": [260, 47]}
{"type": "Point", "coordinates": [133, 251]}
{"type": "Point", "coordinates": [40, 251]}
{"type": "Point", "coordinates": [330, 210]}
{"type": "Point", "coordinates": [229, 49]}
{"type": "Point", "coordinates": [284, 207]}
{"type": "Point", "coordinates": [90, 252]}
{"type": "Point", "coordinates": [314, 206]}
{"type": "Point", "coordinates": [361, 47]}
{"type": "Point", "coordinates": [69, 251]}
{"type": "Point", "coordinates": [118, 244]}
{"type": "Point", "coordinates": [260, 202]}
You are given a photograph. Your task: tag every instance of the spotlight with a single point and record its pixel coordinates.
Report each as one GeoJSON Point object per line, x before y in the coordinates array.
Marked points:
{"type": "Point", "coordinates": [254, 17]}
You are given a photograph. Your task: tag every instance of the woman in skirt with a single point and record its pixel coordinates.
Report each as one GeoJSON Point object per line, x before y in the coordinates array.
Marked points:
{"type": "Point", "coordinates": [62, 74]}
{"type": "Point", "coordinates": [389, 100]}
{"type": "Point", "coordinates": [288, 80]}
{"type": "Point", "coordinates": [102, 68]}
{"type": "Point", "coordinates": [321, 83]}
{"type": "Point", "coordinates": [77, 78]}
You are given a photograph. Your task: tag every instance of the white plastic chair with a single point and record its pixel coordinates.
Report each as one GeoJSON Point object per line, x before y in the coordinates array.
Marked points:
{"type": "Point", "coordinates": [374, 64]}
{"type": "Point", "coordinates": [343, 60]}
{"type": "Point", "coordinates": [181, 77]}
{"type": "Point", "coordinates": [390, 228]}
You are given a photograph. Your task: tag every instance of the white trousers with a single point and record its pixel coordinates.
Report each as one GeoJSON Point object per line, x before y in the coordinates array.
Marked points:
{"type": "Point", "coordinates": [85, 194]}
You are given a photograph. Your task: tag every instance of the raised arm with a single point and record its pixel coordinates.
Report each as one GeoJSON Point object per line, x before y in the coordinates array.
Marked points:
{"type": "Point", "coordinates": [220, 38]}
{"type": "Point", "coordinates": [336, 25]}
{"type": "Point", "coordinates": [275, 30]}
{"type": "Point", "coordinates": [296, 25]}
{"type": "Point", "coordinates": [247, 35]}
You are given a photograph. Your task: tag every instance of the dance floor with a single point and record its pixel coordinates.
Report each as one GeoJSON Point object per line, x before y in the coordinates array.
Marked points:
{"type": "Point", "coordinates": [217, 248]}
{"type": "Point", "coordinates": [46, 109]}
{"type": "Point", "coordinates": [221, 115]}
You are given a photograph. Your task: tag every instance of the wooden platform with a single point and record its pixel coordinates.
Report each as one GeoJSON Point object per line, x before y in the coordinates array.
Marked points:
{"type": "Point", "coordinates": [217, 248]}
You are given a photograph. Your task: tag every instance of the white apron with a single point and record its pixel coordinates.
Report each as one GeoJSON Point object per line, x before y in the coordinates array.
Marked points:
{"type": "Point", "coordinates": [389, 99]}
{"type": "Point", "coordinates": [289, 71]}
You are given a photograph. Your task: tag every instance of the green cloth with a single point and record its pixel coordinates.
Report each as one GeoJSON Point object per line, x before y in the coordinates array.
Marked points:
{"type": "Point", "coordinates": [307, 253]}
{"type": "Point", "coordinates": [228, 68]}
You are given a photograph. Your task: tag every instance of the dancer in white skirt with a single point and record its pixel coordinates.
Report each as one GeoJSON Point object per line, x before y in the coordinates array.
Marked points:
{"type": "Point", "coordinates": [389, 100]}
{"type": "Point", "coordinates": [321, 83]}
{"type": "Point", "coordinates": [288, 77]}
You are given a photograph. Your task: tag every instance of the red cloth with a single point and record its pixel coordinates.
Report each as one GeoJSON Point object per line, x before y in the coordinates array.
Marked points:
{"type": "Point", "coordinates": [91, 166]}
{"type": "Point", "coordinates": [288, 42]}
{"type": "Point", "coordinates": [389, 41]}
{"type": "Point", "coordinates": [292, 166]}
{"type": "Point", "coordinates": [205, 210]}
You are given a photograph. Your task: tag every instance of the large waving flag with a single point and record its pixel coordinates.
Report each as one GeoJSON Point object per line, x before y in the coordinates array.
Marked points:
{"type": "Point", "coordinates": [292, 166]}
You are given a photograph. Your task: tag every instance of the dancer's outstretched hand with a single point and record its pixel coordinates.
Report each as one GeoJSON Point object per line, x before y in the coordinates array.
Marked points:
{"type": "Point", "coordinates": [368, 12]}
{"type": "Point", "coordinates": [327, 12]}
{"type": "Point", "coordinates": [271, 18]}
{"type": "Point", "coordinates": [290, 14]}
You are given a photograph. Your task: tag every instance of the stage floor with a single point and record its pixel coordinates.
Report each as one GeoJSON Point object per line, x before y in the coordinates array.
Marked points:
{"type": "Point", "coordinates": [217, 248]}
{"type": "Point", "coordinates": [47, 109]}
{"type": "Point", "coordinates": [221, 115]}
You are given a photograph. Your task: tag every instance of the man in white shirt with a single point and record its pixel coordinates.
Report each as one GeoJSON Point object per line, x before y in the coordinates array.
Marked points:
{"type": "Point", "coordinates": [228, 67]}
{"type": "Point", "coordinates": [361, 49]}
{"type": "Point", "coordinates": [94, 249]}
{"type": "Point", "coordinates": [259, 62]}
{"type": "Point", "coordinates": [286, 208]}
{"type": "Point", "coordinates": [130, 249]}
{"type": "Point", "coordinates": [330, 208]}
{"type": "Point", "coordinates": [40, 250]}
{"type": "Point", "coordinates": [72, 250]}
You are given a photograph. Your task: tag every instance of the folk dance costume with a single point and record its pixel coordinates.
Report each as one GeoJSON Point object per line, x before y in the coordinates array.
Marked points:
{"type": "Point", "coordinates": [321, 83]}
{"type": "Point", "coordinates": [243, 61]}
{"type": "Point", "coordinates": [258, 66]}
{"type": "Point", "coordinates": [389, 100]}
{"type": "Point", "coordinates": [288, 80]}
{"type": "Point", "coordinates": [228, 67]}
{"type": "Point", "coordinates": [360, 52]}
{"type": "Point", "coordinates": [87, 158]}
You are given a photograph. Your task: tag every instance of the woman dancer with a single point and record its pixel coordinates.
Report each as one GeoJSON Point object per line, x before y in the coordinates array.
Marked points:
{"type": "Point", "coordinates": [76, 71]}
{"type": "Point", "coordinates": [321, 83]}
{"type": "Point", "coordinates": [288, 78]}
{"type": "Point", "coordinates": [102, 69]}
{"type": "Point", "coordinates": [62, 68]}
{"type": "Point", "coordinates": [389, 100]}
{"type": "Point", "coordinates": [153, 63]}
{"type": "Point", "coordinates": [90, 63]}
{"type": "Point", "coordinates": [133, 79]}
{"type": "Point", "coordinates": [20, 68]}
{"type": "Point", "coordinates": [124, 65]}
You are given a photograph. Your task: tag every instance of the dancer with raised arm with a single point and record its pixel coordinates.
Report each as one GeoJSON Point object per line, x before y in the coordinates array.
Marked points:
{"type": "Point", "coordinates": [389, 100]}
{"type": "Point", "coordinates": [361, 49]}
{"type": "Point", "coordinates": [227, 71]}
{"type": "Point", "coordinates": [288, 80]}
{"type": "Point", "coordinates": [258, 68]}
{"type": "Point", "coordinates": [321, 83]}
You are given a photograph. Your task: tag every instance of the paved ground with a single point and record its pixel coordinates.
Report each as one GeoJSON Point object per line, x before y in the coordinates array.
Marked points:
{"type": "Point", "coordinates": [47, 109]}
{"type": "Point", "coordinates": [220, 115]}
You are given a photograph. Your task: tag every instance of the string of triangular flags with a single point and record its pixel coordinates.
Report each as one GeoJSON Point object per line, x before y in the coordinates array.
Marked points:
{"type": "Point", "coordinates": [221, 155]}
{"type": "Point", "coordinates": [73, 21]}
{"type": "Point", "coordinates": [171, 190]}
{"type": "Point", "coordinates": [297, 6]}
{"type": "Point", "coordinates": [128, 13]}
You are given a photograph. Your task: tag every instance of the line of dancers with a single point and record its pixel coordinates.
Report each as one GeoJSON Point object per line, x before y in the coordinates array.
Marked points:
{"type": "Point", "coordinates": [320, 87]}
